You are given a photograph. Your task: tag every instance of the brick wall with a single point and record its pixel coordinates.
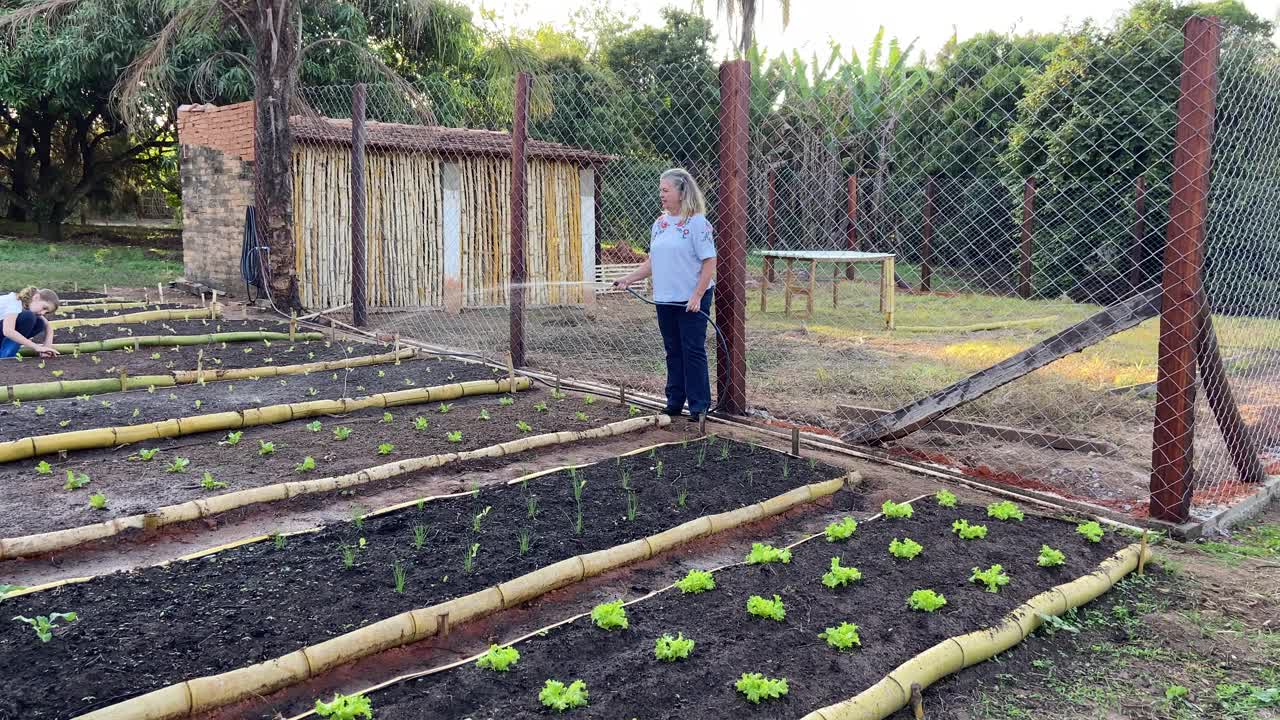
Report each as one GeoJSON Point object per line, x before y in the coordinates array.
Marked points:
{"type": "Point", "coordinates": [216, 167]}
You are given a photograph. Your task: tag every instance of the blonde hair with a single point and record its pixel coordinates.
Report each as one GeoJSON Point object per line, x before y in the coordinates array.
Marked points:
{"type": "Point", "coordinates": [29, 293]}
{"type": "Point", "coordinates": [691, 200]}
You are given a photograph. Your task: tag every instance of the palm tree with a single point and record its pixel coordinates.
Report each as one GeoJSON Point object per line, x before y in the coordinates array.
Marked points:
{"type": "Point", "coordinates": [273, 32]}
{"type": "Point", "coordinates": [741, 15]}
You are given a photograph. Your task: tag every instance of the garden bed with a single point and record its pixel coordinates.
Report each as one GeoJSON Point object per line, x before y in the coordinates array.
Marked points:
{"type": "Point", "coordinates": [256, 602]}
{"type": "Point", "coordinates": [165, 327]}
{"type": "Point", "coordinates": [624, 680]}
{"type": "Point", "coordinates": [162, 360]}
{"type": "Point", "coordinates": [39, 502]}
{"type": "Point", "coordinates": [138, 407]}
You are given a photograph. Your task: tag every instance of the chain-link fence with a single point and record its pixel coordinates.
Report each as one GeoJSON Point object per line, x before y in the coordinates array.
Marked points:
{"type": "Point", "coordinates": [981, 241]}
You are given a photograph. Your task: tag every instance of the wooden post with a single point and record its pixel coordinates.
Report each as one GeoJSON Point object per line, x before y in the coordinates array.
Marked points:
{"type": "Point", "coordinates": [359, 262]}
{"type": "Point", "coordinates": [926, 246]}
{"type": "Point", "coordinates": [1137, 249]}
{"type": "Point", "coordinates": [1173, 434]}
{"type": "Point", "coordinates": [851, 223]}
{"type": "Point", "coordinates": [795, 441]}
{"type": "Point", "coordinates": [124, 379]}
{"type": "Point", "coordinates": [159, 286]}
{"type": "Point", "coordinates": [519, 208]}
{"type": "Point", "coordinates": [293, 326]}
{"type": "Point", "coordinates": [731, 237]}
{"type": "Point", "coordinates": [1028, 227]}
{"type": "Point", "coordinates": [770, 223]}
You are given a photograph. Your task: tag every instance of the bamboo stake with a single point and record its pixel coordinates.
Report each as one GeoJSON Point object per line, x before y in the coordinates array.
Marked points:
{"type": "Point", "coordinates": [1142, 553]}
{"type": "Point", "coordinates": [138, 317]}
{"type": "Point", "coordinates": [160, 287]}
{"type": "Point", "coordinates": [293, 325]}
{"type": "Point", "coordinates": [138, 341]}
{"type": "Point", "coordinates": [124, 379]}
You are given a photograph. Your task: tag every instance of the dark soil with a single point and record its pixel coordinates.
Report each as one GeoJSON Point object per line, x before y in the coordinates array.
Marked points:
{"type": "Point", "coordinates": [624, 680]}
{"type": "Point", "coordinates": [202, 326]}
{"type": "Point", "coordinates": [138, 407]}
{"type": "Point", "coordinates": [143, 630]}
{"type": "Point", "coordinates": [164, 360]}
{"type": "Point", "coordinates": [38, 503]}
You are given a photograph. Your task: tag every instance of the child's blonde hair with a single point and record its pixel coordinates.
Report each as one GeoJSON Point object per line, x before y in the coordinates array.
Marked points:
{"type": "Point", "coordinates": [29, 293]}
{"type": "Point", "coordinates": [691, 200]}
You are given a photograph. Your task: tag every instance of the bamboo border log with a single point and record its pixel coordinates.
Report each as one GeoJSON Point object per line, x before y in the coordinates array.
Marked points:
{"type": "Point", "coordinates": [41, 543]}
{"type": "Point", "coordinates": [140, 317]}
{"type": "Point", "coordinates": [197, 695]}
{"type": "Point", "coordinates": [72, 309]}
{"type": "Point", "coordinates": [92, 346]}
{"type": "Point", "coordinates": [97, 386]}
{"type": "Point", "coordinates": [29, 447]}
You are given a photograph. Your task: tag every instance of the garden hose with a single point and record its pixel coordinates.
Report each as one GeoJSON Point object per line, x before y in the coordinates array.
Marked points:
{"type": "Point", "coordinates": [724, 348]}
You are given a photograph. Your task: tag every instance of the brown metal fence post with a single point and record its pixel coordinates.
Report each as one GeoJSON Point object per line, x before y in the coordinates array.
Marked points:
{"type": "Point", "coordinates": [519, 133]}
{"type": "Point", "coordinates": [1028, 228]}
{"type": "Point", "coordinates": [359, 264]}
{"type": "Point", "coordinates": [731, 237]}
{"type": "Point", "coordinates": [851, 218]}
{"type": "Point", "coordinates": [1173, 434]}
{"type": "Point", "coordinates": [770, 222]}
{"type": "Point", "coordinates": [926, 246]}
{"type": "Point", "coordinates": [1137, 249]}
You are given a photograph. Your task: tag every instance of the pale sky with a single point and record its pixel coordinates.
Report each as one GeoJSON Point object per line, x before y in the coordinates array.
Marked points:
{"type": "Point", "coordinates": [815, 22]}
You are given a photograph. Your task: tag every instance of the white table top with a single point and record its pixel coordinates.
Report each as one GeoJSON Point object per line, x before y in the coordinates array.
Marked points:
{"type": "Point", "coordinates": [824, 255]}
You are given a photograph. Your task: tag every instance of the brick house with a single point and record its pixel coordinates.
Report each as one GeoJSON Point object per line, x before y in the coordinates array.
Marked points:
{"type": "Point", "coordinates": [437, 220]}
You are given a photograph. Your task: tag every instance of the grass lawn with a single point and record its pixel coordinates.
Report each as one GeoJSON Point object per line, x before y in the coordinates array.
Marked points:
{"type": "Point", "coordinates": [29, 261]}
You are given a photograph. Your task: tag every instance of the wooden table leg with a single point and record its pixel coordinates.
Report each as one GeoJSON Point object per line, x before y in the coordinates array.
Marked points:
{"type": "Point", "coordinates": [813, 284]}
{"type": "Point", "coordinates": [787, 279]}
{"type": "Point", "coordinates": [887, 290]}
{"type": "Point", "coordinates": [764, 285]}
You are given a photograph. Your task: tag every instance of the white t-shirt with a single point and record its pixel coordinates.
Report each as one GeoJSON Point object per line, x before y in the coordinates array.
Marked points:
{"type": "Point", "coordinates": [10, 305]}
{"type": "Point", "coordinates": [677, 248]}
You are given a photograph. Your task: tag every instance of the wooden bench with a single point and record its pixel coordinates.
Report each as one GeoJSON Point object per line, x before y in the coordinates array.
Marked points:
{"type": "Point", "coordinates": [607, 274]}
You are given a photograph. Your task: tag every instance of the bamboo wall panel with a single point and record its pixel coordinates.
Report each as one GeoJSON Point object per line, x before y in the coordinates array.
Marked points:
{"type": "Point", "coordinates": [405, 229]}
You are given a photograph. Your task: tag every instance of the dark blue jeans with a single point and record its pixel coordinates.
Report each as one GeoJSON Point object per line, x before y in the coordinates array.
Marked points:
{"type": "Point", "coordinates": [28, 325]}
{"type": "Point", "coordinates": [684, 336]}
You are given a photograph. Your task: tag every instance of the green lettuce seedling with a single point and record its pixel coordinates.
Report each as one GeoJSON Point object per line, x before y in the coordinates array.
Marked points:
{"type": "Point", "coordinates": [421, 423]}
{"type": "Point", "coordinates": [345, 707]}
{"type": "Point", "coordinates": [454, 436]}
{"type": "Point", "coordinates": [315, 426]}
{"type": "Point", "coordinates": [44, 468]}
{"type": "Point", "coordinates": [148, 453]}
{"type": "Point", "coordinates": [506, 400]}
{"type": "Point", "coordinates": [266, 448]}
{"type": "Point", "coordinates": [1091, 530]}
{"type": "Point", "coordinates": [498, 659]}
{"type": "Point", "coordinates": [841, 637]}
{"type": "Point", "coordinates": [44, 625]}
{"type": "Point", "coordinates": [757, 687]}
{"type": "Point", "coordinates": [967, 531]}
{"type": "Point", "coordinates": [445, 407]}
{"type": "Point", "coordinates": [387, 417]}
{"type": "Point", "coordinates": [560, 697]}
{"type": "Point", "coordinates": [98, 501]}
{"type": "Point", "coordinates": [633, 410]}
{"type": "Point", "coordinates": [762, 553]}
{"type": "Point", "coordinates": [484, 414]}
{"type": "Point", "coordinates": [233, 438]}
{"type": "Point", "coordinates": [946, 498]}
{"type": "Point", "coordinates": [892, 509]}
{"type": "Point", "coordinates": [993, 577]}
{"type": "Point", "coordinates": [905, 549]}
{"type": "Point", "coordinates": [773, 609]}
{"type": "Point", "coordinates": [75, 480]}
{"type": "Point", "coordinates": [308, 463]}
{"type": "Point", "coordinates": [1050, 557]}
{"type": "Point", "coordinates": [695, 582]}
{"type": "Point", "coordinates": [540, 407]}
{"type": "Point", "coordinates": [341, 433]}
{"type": "Point", "coordinates": [842, 530]}
{"type": "Point", "coordinates": [178, 465]}
{"type": "Point", "coordinates": [926, 600]}
{"type": "Point", "coordinates": [1004, 510]}
{"type": "Point", "coordinates": [610, 616]}
{"type": "Point", "coordinates": [523, 426]}
{"type": "Point", "coordinates": [840, 576]}
{"type": "Point", "coordinates": [580, 416]}
{"type": "Point", "coordinates": [671, 649]}
{"type": "Point", "coordinates": [208, 483]}
{"type": "Point", "coordinates": [385, 448]}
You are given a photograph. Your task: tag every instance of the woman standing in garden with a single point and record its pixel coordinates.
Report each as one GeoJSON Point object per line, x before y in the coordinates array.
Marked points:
{"type": "Point", "coordinates": [23, 323]}
{"type": "Point", "coordinates": [682, 263]}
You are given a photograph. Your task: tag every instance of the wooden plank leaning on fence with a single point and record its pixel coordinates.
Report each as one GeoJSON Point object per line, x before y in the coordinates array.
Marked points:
{"type": "Point", "coordinates": [1112, 320]}
{"type": "Point", "coordinates": [909, 418]}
